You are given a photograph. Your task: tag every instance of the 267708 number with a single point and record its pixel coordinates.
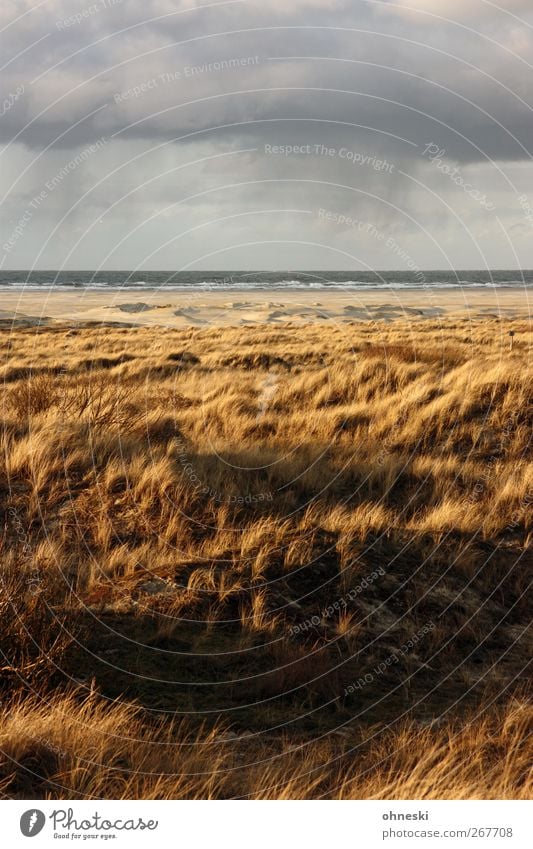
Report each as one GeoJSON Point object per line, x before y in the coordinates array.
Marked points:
{"type": "Point", "coordinates": [490, 831]}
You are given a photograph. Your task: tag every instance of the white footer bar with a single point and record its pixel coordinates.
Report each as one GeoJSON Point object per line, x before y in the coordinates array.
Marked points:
{"type": "Point", "coordinates": [268, 825]}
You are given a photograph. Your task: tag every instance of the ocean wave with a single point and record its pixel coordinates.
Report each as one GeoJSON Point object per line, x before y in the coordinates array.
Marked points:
{"type": "Point", "coordinates": [261, 281]}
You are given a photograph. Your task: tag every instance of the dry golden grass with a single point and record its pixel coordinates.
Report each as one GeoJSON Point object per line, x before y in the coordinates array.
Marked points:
{"type": "Point", "coordinates": [266, 562]}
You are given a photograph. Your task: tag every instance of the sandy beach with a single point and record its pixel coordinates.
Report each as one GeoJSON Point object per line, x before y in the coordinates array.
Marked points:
{"type": "Point", "coordinates": [238, 308]}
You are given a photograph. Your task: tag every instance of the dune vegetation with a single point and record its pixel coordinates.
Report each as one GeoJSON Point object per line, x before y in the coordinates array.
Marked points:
{"type": "Point", "coordinates": [266, 562]}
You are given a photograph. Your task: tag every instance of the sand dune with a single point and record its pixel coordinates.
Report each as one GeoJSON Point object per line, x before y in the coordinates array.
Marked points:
{"type": "Point", "coordinates": [20, 319]}
{"type": "Point", "coordinates": [179, 309]}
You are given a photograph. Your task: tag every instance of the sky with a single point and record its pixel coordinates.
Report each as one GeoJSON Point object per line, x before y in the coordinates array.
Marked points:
{"type": "Point", "coordinates": [266, 134]}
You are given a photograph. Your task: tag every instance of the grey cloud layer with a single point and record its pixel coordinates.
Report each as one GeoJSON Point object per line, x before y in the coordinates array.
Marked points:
{"type": "Point", "coordinates": [455, 77]}
{"type": "Point", "coordinates": [375, 79]}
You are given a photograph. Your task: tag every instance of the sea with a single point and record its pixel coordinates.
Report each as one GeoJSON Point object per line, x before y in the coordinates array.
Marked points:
{"type": "Point", "coordinates": [265, 280]}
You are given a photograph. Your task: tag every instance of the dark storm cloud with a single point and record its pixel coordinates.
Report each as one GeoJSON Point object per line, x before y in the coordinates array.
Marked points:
{"type": "Point", "coordinates": [232, 112]}
{"type": "Point", "coordinates": [455, 87]}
